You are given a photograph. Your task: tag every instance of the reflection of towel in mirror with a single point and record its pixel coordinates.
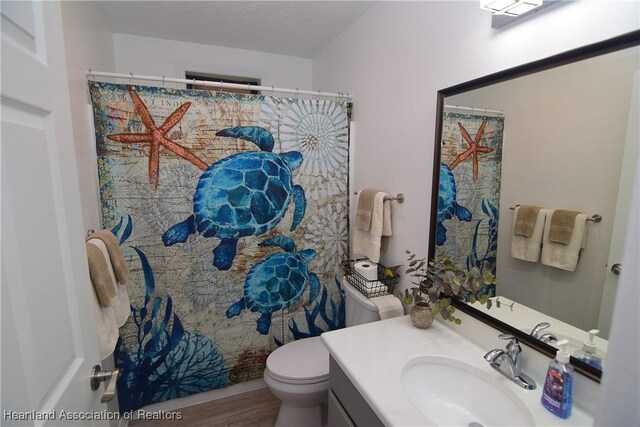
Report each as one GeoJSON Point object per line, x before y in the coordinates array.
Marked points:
{"type": "Point", "coordinates": [111, 317]}
{"type": "Point", "coordinates": [560, 255]}
{"type": "Point", "coordinates": [528, 248]}
{"type": "Point", "coordinates": [370, 242]}
{"type": "Point", "coordinates": [526, 217]}
{"type": "Point", "coordinates": [561, 226]}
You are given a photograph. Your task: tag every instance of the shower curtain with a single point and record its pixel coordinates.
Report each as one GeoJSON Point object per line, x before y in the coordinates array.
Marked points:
{"type": "Point", "coordinates": [469, 194]}
{"type": "Point", "coordinates": [232, 211]}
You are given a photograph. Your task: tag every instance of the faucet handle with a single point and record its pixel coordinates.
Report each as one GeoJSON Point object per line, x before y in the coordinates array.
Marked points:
{"type": "Point", "coordinates": [538, 328]}
{"type": "Point", "coordinates": [507, 337]}
{"type": "Point", "coordinates": [513, 347]}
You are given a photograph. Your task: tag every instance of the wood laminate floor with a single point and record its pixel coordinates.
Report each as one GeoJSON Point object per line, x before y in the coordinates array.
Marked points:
{"type": "Point", "coordinates": [257, 408]}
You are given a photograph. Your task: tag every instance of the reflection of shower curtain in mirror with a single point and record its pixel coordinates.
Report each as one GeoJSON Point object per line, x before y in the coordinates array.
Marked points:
{"type": "Point", "coordinates": [469, 194]}
{"type": "Point", "coordinates": [232, 211]}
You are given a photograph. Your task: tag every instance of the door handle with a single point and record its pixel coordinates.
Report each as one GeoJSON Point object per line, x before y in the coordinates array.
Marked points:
{"type": "Point", "coordinates": [616, 268]}
{"type": "Point", "coordinates": [110, 377]}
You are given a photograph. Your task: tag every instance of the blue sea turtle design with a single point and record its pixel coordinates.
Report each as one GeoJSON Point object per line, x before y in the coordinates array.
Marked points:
{"type": "Point", "coordinates": [277, 282]}
{"type": "Point", "coordinates": [242, 195]}
{"type": "Point", "coordinates": [447, 205]}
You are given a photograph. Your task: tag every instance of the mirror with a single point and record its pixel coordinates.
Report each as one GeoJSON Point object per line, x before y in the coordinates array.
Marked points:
{"type": "Point", "coordinates": [560, 133]}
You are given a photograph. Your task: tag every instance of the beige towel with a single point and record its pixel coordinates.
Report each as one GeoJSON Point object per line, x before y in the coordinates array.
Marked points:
{"type": "Point", "coordinates": [388, 306]}
{"type": "Point", "coordinates": [104, 287]}
{"type": "Point", "coordinates": [528, 248]}
{"type": "Point", "coordinates": [526, 217]}
{"type": "Point", "coordinates": [115, 254]}
{"type": "Point", "coordinates": [109, 319]}
{"type": "Point", "coordinates": [560, 255]}
{"type": "Point", "coordinates": [562, 223]}
{"type": "Point", "coordinates": [369, 243]}
{"type": "Point", "coordinates": [364, 210]}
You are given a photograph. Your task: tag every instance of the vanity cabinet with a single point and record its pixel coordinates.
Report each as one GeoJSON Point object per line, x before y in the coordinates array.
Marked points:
{"type": "Point", "coordinates": [347, 407]}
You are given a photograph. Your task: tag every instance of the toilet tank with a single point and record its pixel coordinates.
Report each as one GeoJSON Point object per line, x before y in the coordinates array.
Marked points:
{"type": "Point", "coordinates": [359, 309]}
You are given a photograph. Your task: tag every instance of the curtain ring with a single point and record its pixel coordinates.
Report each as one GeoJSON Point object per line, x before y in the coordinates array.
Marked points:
{"type": "Point", "coordinates": [162, 80]}
{"type": "Point", "coordinates": [248, 88]}
{"type": "Point", "coordinates": [272, 91]}
{"type": "Point", "coordinates": [131, 78]}
{"type": "Point", "coordinates": [221, 84]}
{"type": "Point", "coordinates": [91, 75]}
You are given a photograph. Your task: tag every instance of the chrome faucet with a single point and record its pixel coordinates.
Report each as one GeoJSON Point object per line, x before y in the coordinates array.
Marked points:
{"type": "Point", "coordinates": [507, 362]}
{"type": "Point", "coordinates": [548, 338]}
{"type": "Point", "coordinates": [539, 327]}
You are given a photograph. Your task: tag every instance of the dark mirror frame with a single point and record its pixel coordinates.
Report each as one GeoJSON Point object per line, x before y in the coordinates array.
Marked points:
{"type": "Point", "coordinates": [607, 46]}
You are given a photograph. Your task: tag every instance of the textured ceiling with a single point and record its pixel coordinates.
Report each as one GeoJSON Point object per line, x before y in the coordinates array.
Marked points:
{"type": "Point", "coordinates": [297, 28]}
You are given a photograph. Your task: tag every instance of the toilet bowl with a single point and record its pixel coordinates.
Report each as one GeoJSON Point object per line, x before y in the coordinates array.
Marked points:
{"type": "Point", "coordinates": [298, 375]}
{"type": "Point", "coordinates": [298, 372]}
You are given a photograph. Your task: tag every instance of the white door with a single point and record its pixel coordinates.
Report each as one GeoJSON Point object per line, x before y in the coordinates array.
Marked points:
{"type": "Point", "coordinates": [48, 335]}
{"type": "Point", "coordinates": [623, 207]}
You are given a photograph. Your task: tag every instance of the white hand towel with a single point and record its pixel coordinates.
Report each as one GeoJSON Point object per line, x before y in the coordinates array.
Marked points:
{"type": "Point", "coordinates": [528, 248]}
{"type": "Point", "coordinates": [368, 243]}
{"type": "Point", "coordinates": [388, 306]}
{"type": "Point", "coordinates": [563, 256]}
{"type": "Point", "coordinates": [109, 319]}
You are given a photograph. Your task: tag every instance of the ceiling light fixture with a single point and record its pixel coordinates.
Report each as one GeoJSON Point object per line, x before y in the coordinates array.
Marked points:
{"type": "Point", "coordinates": [509, 7]}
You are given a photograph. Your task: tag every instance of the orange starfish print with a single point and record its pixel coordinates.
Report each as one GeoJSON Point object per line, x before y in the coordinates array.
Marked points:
{"type": "Point", "coordinates": [474, 148]}
{"type": "Point", "coordinates": [156, 137]}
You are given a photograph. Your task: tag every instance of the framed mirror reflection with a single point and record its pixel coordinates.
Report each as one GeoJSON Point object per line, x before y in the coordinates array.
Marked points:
{"type": "Point", "coordinates": [532, 183]}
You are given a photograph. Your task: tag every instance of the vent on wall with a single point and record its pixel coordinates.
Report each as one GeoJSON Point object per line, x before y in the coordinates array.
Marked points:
{"type": "Point", "coordinates": [224, 79]}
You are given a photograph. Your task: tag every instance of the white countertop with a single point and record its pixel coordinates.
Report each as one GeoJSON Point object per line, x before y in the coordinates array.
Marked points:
{"type": "Point", "coordinates": [374, 355]}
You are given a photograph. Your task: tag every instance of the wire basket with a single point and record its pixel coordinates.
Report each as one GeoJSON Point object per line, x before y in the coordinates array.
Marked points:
{"type": "Point", "coordinates": [369, 288]}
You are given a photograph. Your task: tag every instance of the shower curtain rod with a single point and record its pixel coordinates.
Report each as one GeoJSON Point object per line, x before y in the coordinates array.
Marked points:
{"type": "Point", "coordinates": [90, 73]}
{"type": "Point", "coordinates": [458, 107]}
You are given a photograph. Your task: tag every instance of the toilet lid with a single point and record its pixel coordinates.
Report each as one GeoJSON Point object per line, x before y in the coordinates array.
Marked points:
{"type": "Point", "coordinates": [301, 361]}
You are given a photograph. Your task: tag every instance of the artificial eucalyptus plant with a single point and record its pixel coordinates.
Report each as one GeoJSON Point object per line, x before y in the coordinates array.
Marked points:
{"type": "Point", "coordinates": [440, 281]}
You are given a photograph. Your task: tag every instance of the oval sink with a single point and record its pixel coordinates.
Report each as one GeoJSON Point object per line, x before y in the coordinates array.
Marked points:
{"type": "Point", "coordinates": [449, 392]}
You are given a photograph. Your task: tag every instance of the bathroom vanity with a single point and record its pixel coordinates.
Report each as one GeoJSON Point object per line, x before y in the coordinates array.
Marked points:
{"type": "Point", "coordinates": [347, 407]}
{"type": "Point", "coordinates": [391, 373]}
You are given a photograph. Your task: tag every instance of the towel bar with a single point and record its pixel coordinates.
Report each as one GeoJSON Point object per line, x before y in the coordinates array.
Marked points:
{"type": "Point", "coordinates": [399, 197]}
{"type": "Point", "coordinates": [594, 217]}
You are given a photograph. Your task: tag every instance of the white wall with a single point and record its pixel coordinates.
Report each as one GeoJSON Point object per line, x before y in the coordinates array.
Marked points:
{"type": "Point", "coordinates": [88, 44]}
{"type": "Point", "coordinates": [397, 56]}
{"type": "Point", "coordinates": [151, 56]}
{"type": "Point", "coordinates": [394, 60]}
{"type": "Point", "coordinates": [564, 137]}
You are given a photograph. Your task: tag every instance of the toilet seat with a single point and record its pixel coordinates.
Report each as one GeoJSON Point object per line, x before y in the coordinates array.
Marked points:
{"type": "Point", "coordinates": [304, 361]}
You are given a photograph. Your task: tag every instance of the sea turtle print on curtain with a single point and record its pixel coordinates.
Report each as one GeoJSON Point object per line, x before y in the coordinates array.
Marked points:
{"type": "Point", "coordinates": [469, 193]}
{"type": "Point", "coordinates": [277, 282]}
{"type": "Point", "coordinates": [213, 188]}
{"type": "Point", "coordinates": [245, 194]}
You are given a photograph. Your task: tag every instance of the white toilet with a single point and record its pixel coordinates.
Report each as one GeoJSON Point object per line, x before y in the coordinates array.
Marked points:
{"type": "Point", "coordinates": [298, 372]}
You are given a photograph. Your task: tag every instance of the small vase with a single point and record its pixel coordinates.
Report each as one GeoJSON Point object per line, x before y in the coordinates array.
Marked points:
{"type": "Point", "coordinates": [421, 315]}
